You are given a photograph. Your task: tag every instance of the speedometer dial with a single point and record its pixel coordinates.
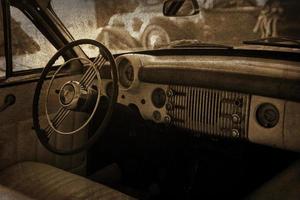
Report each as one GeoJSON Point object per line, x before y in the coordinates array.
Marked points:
{"type": "Point", "coordinates": [126, 73]}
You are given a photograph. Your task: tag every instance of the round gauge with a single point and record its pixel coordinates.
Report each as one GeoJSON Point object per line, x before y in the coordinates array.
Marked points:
{"type": "Point", "coordinates": [158, 98]}
{"type": "Point", "coordinates": [267, 115]}
{"type": "Point", "coordinates": [126, 73]}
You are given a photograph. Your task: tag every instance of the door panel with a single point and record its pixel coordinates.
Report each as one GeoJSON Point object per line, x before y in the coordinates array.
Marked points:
{"type": "Point", "coordinates": [18, 141]}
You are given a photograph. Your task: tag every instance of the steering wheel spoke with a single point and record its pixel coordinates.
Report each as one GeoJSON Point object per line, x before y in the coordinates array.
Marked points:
{"type": "Point", "coordinates": [49, 132]}
{"type": "Point", "coordinates": [58, 119]}
{"type": "Point", "coordinates": [90, 74]}
{"type": "Point", "coordinates": [60, 116]}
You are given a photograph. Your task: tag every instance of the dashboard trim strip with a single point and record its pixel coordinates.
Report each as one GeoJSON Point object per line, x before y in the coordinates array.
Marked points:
{"type": "Point", "coordinates": [251, 84]}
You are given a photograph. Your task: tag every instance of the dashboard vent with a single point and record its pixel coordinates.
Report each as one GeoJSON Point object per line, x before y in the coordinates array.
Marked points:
{"type": "Point", "coordinates": [208, 111]}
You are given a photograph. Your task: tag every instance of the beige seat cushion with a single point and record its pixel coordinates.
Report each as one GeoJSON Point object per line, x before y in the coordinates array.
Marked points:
{"type": "Point", "coordinates": [284, 186]}
{"type": "Point", "coordinates": [41, 181]}
{"type": "Point", "coordinates": [8, 194]}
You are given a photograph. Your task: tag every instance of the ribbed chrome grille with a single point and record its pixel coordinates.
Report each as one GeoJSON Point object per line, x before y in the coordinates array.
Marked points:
{"type": "Point", "coordinates": [208, 111]}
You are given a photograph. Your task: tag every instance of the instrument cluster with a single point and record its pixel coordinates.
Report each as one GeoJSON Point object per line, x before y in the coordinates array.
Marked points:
{"type": "Point", "coordinates": [207, 111]}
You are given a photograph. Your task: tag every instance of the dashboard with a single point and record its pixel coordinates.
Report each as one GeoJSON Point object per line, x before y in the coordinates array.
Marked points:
{"type": "Point", "coordinates": [253, 99]}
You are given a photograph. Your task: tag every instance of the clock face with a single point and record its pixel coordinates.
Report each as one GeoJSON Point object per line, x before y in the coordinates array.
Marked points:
{"type": "Point", "coordinates": [267, 115]}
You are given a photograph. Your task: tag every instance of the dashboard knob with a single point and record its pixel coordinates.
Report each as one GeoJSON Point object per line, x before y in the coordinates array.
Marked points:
{"type": "Point", "coordinates": [156, 116]}
{"type": "Point", "coordinates": [170, 93]}
{"type": "Point", "coordinates": [235, 133]}
{"type": "Point", "coordinates": [236, 118]}
{"type": "Point", "coordinates": [169, 106]}
{"type": "Point", "coordinates": [238, 102]}
{"type": "Point", "coordinates": [167, 119]}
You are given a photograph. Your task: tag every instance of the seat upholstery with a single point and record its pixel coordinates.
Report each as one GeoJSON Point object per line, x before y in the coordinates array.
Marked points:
{"type": "Point", "coordinates": [41, 181]}
{"type": "Point", "coordinates": [8, 194]}
{"type": "Point", "coordinates": [284, 186]}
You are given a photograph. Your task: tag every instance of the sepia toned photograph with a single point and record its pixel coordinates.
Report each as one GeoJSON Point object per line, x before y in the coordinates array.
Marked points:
{"type": "Point", "coordinates": [149, 99]}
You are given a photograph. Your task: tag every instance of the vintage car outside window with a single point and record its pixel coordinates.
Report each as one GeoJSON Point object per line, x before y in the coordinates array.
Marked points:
{"type": "Point", "coordinates": [2, 55]}
{"type": "Point", "coordinates": [140, 24]}
{"type": "Point", "coordinates": [121, 27]}
{"type": "Point", "coordinates": [30, 48]}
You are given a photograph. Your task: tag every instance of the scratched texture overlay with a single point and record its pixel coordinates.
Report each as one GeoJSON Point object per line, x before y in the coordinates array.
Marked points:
{"type": "Point", "coordinates": [139, 24]}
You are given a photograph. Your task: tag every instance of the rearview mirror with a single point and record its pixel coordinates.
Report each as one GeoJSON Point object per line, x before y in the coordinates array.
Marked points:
{"type": "Point", "coordinates": [177, 8]}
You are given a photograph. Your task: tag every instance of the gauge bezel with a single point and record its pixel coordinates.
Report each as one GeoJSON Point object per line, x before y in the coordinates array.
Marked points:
{"type": "Point", "coordinates": [264, 122]}
{"type": "Point", "coordinates": [135, 64]}
{"type": "Point", "coordinates": [158, 104]}
{"type": "Point", "coordinates": [123, 66]}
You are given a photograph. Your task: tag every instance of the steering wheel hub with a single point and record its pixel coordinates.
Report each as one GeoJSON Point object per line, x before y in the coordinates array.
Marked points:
{"type": "Point", "coordinates": [70, 94]}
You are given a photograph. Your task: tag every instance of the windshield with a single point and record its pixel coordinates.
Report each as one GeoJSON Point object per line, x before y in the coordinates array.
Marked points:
{"type": "Point", "coordinates": [140, 24]}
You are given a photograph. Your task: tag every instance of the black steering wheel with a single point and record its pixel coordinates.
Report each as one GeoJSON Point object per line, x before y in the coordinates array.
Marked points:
{"type": "Point", "coordinates": [81, 95]}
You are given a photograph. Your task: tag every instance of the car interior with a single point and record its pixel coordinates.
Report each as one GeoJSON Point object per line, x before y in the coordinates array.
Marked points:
{"type": "Point", "coordinates": [173, 109]}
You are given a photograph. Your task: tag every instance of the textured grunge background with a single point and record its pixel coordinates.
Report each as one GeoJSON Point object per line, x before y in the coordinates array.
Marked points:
{"type": "Point", "coordinates": [138, 24]}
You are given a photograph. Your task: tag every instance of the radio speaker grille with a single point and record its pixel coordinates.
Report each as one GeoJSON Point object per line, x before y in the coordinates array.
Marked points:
{"type": "Point", "coordinates": [208, 111]}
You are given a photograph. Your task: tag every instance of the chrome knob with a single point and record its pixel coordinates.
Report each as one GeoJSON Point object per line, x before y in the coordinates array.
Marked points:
{"type": "Point", "coordinates": [167, 119]}
{"type": "Point", "coordinates": [170, 93]}
{"type": "Point", "coordinates": [236, 118]}
{"type": "Point", "coordinates": [235, 133]}
{"type": "Point", "coordinates": [169, 106]}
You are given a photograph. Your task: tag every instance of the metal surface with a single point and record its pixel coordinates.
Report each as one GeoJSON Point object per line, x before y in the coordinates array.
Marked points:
{"type": "Point", "coordinates": [210, 112]}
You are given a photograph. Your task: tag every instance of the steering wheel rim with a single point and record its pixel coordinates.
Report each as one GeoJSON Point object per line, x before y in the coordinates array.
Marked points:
{"type": "Point", "coordinates": [41, 133]}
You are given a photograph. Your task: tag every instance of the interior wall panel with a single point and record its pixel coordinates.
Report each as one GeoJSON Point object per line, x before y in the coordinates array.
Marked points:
{"type": "Point", "coordinates": [18, 141]}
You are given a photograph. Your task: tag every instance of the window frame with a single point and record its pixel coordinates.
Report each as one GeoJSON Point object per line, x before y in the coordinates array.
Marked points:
{"type": "Point", "coordinates": [7, 38]}
{"type": "Point", "coordinates": [46, 21]}
{"type": "Point", "coordinates": [8, 55]}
